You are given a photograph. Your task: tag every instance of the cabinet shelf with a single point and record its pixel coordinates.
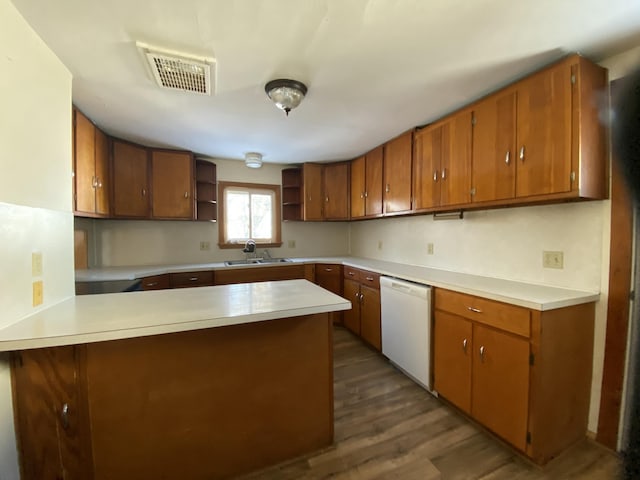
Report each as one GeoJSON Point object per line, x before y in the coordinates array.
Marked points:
{"type": "Point", "coordinates": [206, 193]}
{"type": "Point", "coordinates": [292, 194]}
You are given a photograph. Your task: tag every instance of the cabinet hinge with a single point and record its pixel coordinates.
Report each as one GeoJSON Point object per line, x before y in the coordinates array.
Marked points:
{"type": "Point", "coordinates": [572, 177]}
{"type": "Point", "coordinates": [529, 438]}
{"type": "Point", "coordinates": [532, 358]}
{"type": "Point", "coordinates": [573, 79]}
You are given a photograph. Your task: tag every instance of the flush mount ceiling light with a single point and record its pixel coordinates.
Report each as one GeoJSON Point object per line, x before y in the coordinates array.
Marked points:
{"type": "Point", "coordinates": [286, 94]}
{"type": "Point", "coordinates": [253, 160]}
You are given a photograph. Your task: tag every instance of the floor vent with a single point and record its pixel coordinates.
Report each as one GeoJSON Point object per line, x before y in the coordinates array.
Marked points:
{"type": "Point", "coordinates": [180, 71]}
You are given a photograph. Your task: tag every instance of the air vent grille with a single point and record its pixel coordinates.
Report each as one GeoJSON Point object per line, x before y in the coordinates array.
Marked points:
{"type": "Point", "coordinates": [182, 72]}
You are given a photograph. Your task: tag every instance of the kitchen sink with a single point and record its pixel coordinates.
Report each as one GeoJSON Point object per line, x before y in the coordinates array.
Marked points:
{"type": "Point", "coordinates": [256, 261]}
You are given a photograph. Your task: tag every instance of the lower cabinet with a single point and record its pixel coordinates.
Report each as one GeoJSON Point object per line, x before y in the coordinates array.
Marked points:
{"type": "Point", "coordinates": [329, 277]}
{"type": "Point", "coordinates": [156, 282]}
{"type": "Point", "coordinates": [259, 274]}
{"type": "Point", "coordinates": [523, 374]}
{"type": "Point", "coordinates": [203, 278]}
{"type": "Point", "coordinates": [362, 288]}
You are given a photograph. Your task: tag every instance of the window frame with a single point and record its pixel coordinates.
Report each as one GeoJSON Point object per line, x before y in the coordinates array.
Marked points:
{"type": "Point", "coordinates": [277, 209]}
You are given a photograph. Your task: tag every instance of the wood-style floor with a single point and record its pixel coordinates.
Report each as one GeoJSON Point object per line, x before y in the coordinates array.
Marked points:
{"type": "Point", "coordinates": [387, 427]}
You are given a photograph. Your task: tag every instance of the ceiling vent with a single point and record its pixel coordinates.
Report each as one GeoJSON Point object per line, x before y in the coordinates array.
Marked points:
{"type": "Point", "coordinates": [180, 71]}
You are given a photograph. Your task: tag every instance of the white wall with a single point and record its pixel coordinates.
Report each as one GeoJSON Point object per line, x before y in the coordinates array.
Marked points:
{"type": "Point", "coordinates": [139, 242]}
{"type": "Point", "coordinates": [35, 188]}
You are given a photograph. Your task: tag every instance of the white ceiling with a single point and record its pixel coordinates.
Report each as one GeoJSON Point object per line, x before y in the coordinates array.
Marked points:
{"type": "Point", "coordinates": [374, 68]}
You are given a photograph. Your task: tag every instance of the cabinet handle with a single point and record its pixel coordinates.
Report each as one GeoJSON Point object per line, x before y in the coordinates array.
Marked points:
{"type": "Point", "coordinates": [326, 199]}
{"type": "Point", "coordinates": [369, 279]}
{"type": "Point", "coordinates": [328, 269]}
{"type": "Point", "coordinates": [482, 353]}
{"type": "Point", "coordinates": [507, 157]}
{"type": "Point", "coordinates": [464, 345]}
{"type": "Point", "coordinates": [522, 153]}
{"type": "Point", "coordinates": [435, 175]}
{"type": "Point", "coordinates": [94, 183]}
{"type": "Point", "coordinates": [193, 279]}
{"type": "Point", "coordinates": [362, 195]}
{"type": "Point", "coordinates": [144, 192]}
{"type": "Point", "coordinates": [366, 194]}
{"type": "Point", "coordinates": [444, 173]}
{"type": "Point", "coordinates": [387, 188]}
{"type": "Point", "coordinates": [64, 416]}
{"type": "Point", "coordinates": [351, 274]}
{"type": "Point", "coordinates": [99, 182]}
{"type": "Point", "coordinates": [186, 194]}
{"type": "Point", "coordinates": [361, 297]}
{"type": "Point", "coordinates": [151, 284]}
{"type": "Point", "coordinates": [474, 310]}
{"type": "Point", "coordinates": [358, 295]}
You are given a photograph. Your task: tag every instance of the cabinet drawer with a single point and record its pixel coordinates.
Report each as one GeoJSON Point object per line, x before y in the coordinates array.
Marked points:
{"type": "Point", "coordinates": [156, 282]}
{"type": "Point", "coordinates": [370, 279]}
{"type": "Point", "coordinates": [192, 279]}
{"type": "Point", "coordinates": [352, 273]}
{"type": "Point", "coordinates": [496, 314]}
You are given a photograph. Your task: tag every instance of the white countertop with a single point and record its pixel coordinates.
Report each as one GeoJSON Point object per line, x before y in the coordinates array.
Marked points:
{"type": "Point", "coordinates": [537, 297]}
{"type": "Point", "coordinates": [93, 318]}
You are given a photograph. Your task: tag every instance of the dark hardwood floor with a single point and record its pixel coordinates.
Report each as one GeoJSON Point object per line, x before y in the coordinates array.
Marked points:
{"type": "Point", "coordinates": [387, 427]}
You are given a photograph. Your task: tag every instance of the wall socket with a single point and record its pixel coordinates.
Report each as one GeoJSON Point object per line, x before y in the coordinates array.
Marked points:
{"type": "Point", "coordinates": [36, 264]}
{"type": "Point", "coordinates": [291, 244]}
{"type": "Point", "coordinates": [429, 248]}
{"type": "Point", "coordinates": [553, 259]}
{"type": "Point", "coordinates": [38, 293]}
{"type": "Point", "coordinates": [205, 245]}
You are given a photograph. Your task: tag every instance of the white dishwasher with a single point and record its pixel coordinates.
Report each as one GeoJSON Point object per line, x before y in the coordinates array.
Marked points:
{"type": "Point", "coordinates": [406, 327]}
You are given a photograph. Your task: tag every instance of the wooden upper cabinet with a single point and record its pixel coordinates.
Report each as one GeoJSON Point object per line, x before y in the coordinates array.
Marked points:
{"type": "Point", "coordinates": [366, 184]}
{"type": "Point", "coordinates": [91, 168]}
{"type": "Point", "coordinates": [428, 153]}
{"type": "Point", "coordinates": [494, 148]}
{"type": "Point", "coordinates": [397, 173]}
{"type": "Point", "coordinates": [544, 132]}
{"type": "Point", "coordinates": [336, 191]}
{"type": "Point", "coordinates": [172, 185]}
{"type": "Point", "coordinates": [130, 180]}
{"type": "Point", "coordinates": [442, 163]}
{"type": "Point", "coordinates": [312, 186]}
{"type": "Point", "coordinates": [358, 187]}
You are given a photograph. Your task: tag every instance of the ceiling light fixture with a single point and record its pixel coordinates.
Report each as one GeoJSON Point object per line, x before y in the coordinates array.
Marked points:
{"type": "Point", "coordinates": [253, 159]}
{"type": "Point", "coordinates": [286, 94]}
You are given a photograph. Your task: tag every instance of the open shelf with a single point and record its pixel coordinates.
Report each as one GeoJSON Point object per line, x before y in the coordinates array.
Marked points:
{"type": "Point", "coordinates": [292, 194]}
{"type": "Point", "coordinates": [206, 192]}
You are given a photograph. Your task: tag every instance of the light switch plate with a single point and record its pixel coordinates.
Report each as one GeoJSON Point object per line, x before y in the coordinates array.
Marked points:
{"type": "Point", "coordinates": [553, 259]}
{"type": "Point", "coordinates": [38, 293]}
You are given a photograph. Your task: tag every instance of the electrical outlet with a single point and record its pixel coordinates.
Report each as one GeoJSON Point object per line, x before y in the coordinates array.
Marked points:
{"type": "Point", "coordinates": [429, 248]}
{"type": "Point", "coordinates": [553, 260]}
{"type": "Point", "coordinates": [205, 245]}
{"type": "Point", "coordinates": [379, 244]}
{"type": "Point", "coordinates": [37, 293]}
{"type": "Point", "coordinates": [291, 243]}
{"type": "Point", "coordinates": [36, 264]}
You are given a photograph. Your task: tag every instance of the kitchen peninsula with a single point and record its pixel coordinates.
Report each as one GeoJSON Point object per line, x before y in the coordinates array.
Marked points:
{"type": "Point", "coordinates": [197, 383]}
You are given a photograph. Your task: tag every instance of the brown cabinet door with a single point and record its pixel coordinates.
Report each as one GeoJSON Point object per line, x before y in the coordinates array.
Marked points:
{"type": "Point", "coordinates": [172, 181]}
{"type": "Point", "coordinates": [313, 198]}
{"type": "Point", "coordinates": [426, 167]}
{"type": "Point", "coordinates": [501, 383]}
{"type": "Point", "coordinates": [130, 180]}
{"type": "Point", "coordinates": [51, 415]}
{"type": "Point", "coordinates": [156, 282]}
{"type": "Point", "coordinates": [85, 165]}
{"type": "Point", "coordinates": [336, 191]}
{"type": "Point", "coordinates": [103, 183]}
{"type": "Point", "coordinates": [455, 171]}
{"type": "Point", "coordinates": [397, 173]}
{"type": "Point", "coordinates": [329, 277]}
{"type": "Point", "coordinates": [544, 133]}
{"type": "Point", "coordinates": [370, 329]}
{"type": "Point", "coordinates": [452, 359]}
{"type": "Point", "coordinates": [373, 175]}
{"type": "Point", "coordinates": [351, 317]}
{"type": "Point", "coordinates": [494, 148]}
{"type": "Point", "coordinates": [358, 188]}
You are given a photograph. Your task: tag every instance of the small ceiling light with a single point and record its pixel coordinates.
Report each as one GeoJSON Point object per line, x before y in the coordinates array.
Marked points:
{"type": "Point", "coordinates": [253, 160]}
{"type": "Point", "coordinates": [286, 94]}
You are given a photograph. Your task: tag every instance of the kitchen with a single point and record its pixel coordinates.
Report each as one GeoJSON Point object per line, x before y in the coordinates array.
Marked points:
{"type": "Point", "coordinates": [37, 216]}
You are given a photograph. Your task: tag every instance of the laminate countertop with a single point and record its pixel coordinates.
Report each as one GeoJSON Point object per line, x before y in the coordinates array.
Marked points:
{"type": "Point", "coordinates": [94, 318]}
{"type": "Point", "coordinates": [529, 295]}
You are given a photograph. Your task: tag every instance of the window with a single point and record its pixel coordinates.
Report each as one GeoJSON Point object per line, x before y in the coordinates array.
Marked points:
{"type": "Point", "coordinates": [248, 210]}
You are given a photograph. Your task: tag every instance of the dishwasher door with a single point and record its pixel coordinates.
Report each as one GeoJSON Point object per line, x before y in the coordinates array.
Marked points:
{"type": "Point", "coordinates": [406, 327]}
